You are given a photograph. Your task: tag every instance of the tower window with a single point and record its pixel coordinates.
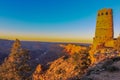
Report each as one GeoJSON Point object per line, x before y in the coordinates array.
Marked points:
{"type": "Point", "coordinates": [106, 13]}
{"type": "Point", "coordinates": [101, 13]}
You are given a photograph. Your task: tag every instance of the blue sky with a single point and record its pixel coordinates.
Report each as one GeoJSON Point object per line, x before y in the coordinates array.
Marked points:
{"type": "Point", "coordinates": [53, 20]}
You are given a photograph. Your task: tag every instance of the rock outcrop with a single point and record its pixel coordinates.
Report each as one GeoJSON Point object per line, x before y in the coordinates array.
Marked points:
{"type": "Point", "coordinates": [108, 69]}
{"type": "Point", "coordinates": [65, 68]}
{"type": "Point", "coordinates": [38, 72]}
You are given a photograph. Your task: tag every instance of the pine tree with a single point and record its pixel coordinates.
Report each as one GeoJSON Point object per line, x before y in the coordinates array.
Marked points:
{"type": "Point", "coordinates": [82, 61]}
{"type": "Point", "coordinates": [16, 65]}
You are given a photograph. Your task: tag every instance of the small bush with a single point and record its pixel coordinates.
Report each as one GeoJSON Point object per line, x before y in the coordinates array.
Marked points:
{"type": "Point", "coordinates": [60, 71]}
{"type": "Point", "coordinates": [112, 69]}
{"type": "Point", "coordinates": [90, 71]}
{"type": "Point", "coordinates": [116, 59]}
{"type": "Point", "coordinates": [65, 57]}
{"type": "Point", "coordinates": [107, 63]}
{"type": "Point", "coordinates": [77, 67]}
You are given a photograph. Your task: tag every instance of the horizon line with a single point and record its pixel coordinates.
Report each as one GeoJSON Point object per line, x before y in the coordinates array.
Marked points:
{"type": "Point", "coordinates": [51, 41]}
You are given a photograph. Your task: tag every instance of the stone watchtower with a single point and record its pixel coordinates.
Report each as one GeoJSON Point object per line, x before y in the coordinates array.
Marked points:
{"type": "Point", "coordinates": [104, 28]}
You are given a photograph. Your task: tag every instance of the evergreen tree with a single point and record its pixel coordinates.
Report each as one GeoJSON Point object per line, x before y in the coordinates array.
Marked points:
{"type": "Point", "coordinates": [16, 65]}
{"type": "Point", "coordinates": [82, 61]}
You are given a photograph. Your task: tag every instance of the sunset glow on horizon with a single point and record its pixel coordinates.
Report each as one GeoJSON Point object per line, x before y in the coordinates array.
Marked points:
{"type": "Point", "coordinates": [46, 39]}
{"type": "Point", "coordinates": [53, 20]}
